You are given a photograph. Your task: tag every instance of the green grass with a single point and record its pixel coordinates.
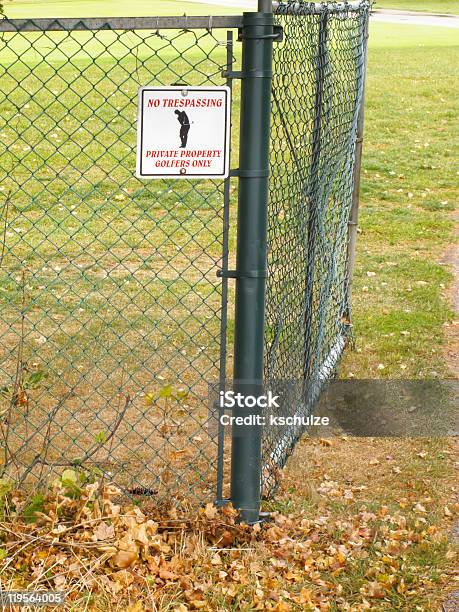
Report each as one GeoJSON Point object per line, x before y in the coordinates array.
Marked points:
{"type": "Point", "coordinates": [407, 187]}
{"type": "Point", "coordinates": [109, 8]}
{"type": "Point", "coordinates": [388, 38]}
{"type": "Point", "coordinates": [111, 283]}
{"type": "Point", "coordinates": [429, 6]}
{"type": "Point", "coordinates": [408, 193]}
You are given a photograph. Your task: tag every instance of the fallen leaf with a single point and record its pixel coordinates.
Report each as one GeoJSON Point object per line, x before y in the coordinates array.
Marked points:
{"type": "Point", "coordinates": [166, 575]}
{"type": "Point", "coordinates": [125, 558]}
{"type": "Point", "coordinates": [210, 511]}
{"type": "Point", "coordinates": [104, 532]}
{"type": "Point", "coordinates": [375, 589]}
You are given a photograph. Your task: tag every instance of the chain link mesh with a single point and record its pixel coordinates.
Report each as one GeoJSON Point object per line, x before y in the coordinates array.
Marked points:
{"type": "Point", "coordinates": [113, 320]}
{"type": "Point", "coordinates": [317, 91]}
{"type": "Point", "coordinates": [111, 308]}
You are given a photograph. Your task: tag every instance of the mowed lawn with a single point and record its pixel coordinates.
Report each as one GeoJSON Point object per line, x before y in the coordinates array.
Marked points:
{"type": "Point", "coordinates": [112, 8]}
{"type": "Point", "coordinates": [108, 285]}
{"type": "Point", "coordinates": [407, 184]}
{"type": "Point", "coordinates": [401, 312]}
{"type": "Point", "coordinates": [408, 195]}
{"type": "Point", "coordinates": [429, 6]}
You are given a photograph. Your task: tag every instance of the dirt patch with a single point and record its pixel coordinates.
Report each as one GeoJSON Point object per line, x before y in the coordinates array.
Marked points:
{"type": "Point", "coordinates": [452, 295]}
{"type": "Point", "coordinates": [452, 603]}
{"type": "Point", "coordinates": [452, 359]}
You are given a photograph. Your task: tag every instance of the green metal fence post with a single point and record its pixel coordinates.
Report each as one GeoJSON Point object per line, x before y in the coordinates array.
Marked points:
{"type": "Point", "coordinates": [257, 37]}
{"type": "Point", "coordinates": [265, 6]}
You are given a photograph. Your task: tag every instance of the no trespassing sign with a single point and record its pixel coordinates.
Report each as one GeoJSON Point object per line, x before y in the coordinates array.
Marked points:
{"type": "Point", "coordinates": [183, 132]}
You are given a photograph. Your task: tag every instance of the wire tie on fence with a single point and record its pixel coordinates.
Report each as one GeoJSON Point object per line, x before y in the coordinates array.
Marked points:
{"type": "Point", "coordinates": [209, 28]}
{"type": "Point", "coordinates": [242, 274]}
{"type": "Point", "coordinates": [236, 172]}
{"type": "Point", "coordinates": [276, 36]}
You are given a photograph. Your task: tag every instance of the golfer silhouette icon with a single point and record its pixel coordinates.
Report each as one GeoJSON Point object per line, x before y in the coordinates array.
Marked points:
{"type": "Point", "coordinates": [182, 118]}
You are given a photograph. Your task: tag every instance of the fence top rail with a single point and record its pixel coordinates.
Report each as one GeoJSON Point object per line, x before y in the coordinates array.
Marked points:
{"type": "Point", "coordinates": [182, 22]}
{"type": "Point", "coordinates": [287, 7]}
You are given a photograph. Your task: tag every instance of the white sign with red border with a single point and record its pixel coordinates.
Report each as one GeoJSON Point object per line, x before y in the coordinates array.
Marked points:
{"type": "Point", "coordinates": [183, 132]}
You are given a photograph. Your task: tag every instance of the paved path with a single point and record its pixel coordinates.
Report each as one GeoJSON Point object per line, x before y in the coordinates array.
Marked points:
{"type": "Point", "coordinates": [385, 16]}
{"type": "Point", "coordinates": [424, 19]}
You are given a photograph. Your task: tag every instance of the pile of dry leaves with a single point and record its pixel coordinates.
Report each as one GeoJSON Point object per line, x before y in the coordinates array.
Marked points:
{"type": "Point", "coordinates": [78, 539]}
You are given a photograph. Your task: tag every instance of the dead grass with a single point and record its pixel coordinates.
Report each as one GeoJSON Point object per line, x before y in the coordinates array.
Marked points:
{"type": "Point", "coordinates": [417, 477]}
{"type": "Point", "coordinates": [365, 527]}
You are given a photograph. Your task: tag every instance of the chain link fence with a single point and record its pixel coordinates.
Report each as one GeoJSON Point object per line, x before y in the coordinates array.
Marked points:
{"type": "Point", "coordinates": [111, 309]}
{"type": "Point", "coordinates": [113, 320]}
{"type": "Point", "coordinates": [318, 84]}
